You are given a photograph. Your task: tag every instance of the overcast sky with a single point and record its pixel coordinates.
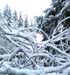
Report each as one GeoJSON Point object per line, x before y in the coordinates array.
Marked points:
{"type": "Point", "coordinates": [29, 7]}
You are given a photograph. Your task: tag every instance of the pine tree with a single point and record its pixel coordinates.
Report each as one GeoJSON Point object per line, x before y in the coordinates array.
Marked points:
{"type": "Point", "coordinates": [26, 21]}
{"type": "Point", "coordinates": [39, 21]}
{"type": "Point", "coordinates": [59, 10]}
{"type": "Point", "coordinates": [7, 11]}
{"type": "Point", "coordinates": [20, 21]}
{"type": "Point", "coordinates": [7, 14]}
{"type": "Point", "coordinates": [15, 18]}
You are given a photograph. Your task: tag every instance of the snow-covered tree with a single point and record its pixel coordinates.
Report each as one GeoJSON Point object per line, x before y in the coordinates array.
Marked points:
{"type": "Point", "coordinates": [58, 11]}
{"type": "Point", "coordinates": [26, 24]}
{"type": "Point", "coordinates": [20, 21]}
{"type": "Point", "coordinates": [7, 15]}
{"type": "Point", "coordinates": [15, 17]}
{"type": "Point", "coordinates": [7, 11]}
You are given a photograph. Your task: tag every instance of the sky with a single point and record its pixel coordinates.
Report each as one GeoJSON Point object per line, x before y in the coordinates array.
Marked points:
{"type": "Point", "coordinates": [27, 7]}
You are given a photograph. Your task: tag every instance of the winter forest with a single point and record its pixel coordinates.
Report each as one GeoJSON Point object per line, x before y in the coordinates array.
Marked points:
{"type": "Point", "coordinates": [22, 54]}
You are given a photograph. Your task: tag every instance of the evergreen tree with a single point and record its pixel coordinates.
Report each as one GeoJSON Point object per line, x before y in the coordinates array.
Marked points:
{"type": "Point", "coordinates": [20, 21]}
{"type": "Point", "coordinates": [7, 11]}
{"type": "Point", "coordinates": [15, 18]}
{"type": "Point", "coordinates": [7, 15]}
{"type": "Point", "coordinates": [26, 21]}
{"type": "Point", "coordinates": [39, 21]}
{"type": "Point", "coordinates": [59, 10]}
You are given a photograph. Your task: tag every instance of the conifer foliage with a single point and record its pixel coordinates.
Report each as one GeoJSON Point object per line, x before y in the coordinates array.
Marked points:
{"type": "Point", "coordinates": [58, 11]}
